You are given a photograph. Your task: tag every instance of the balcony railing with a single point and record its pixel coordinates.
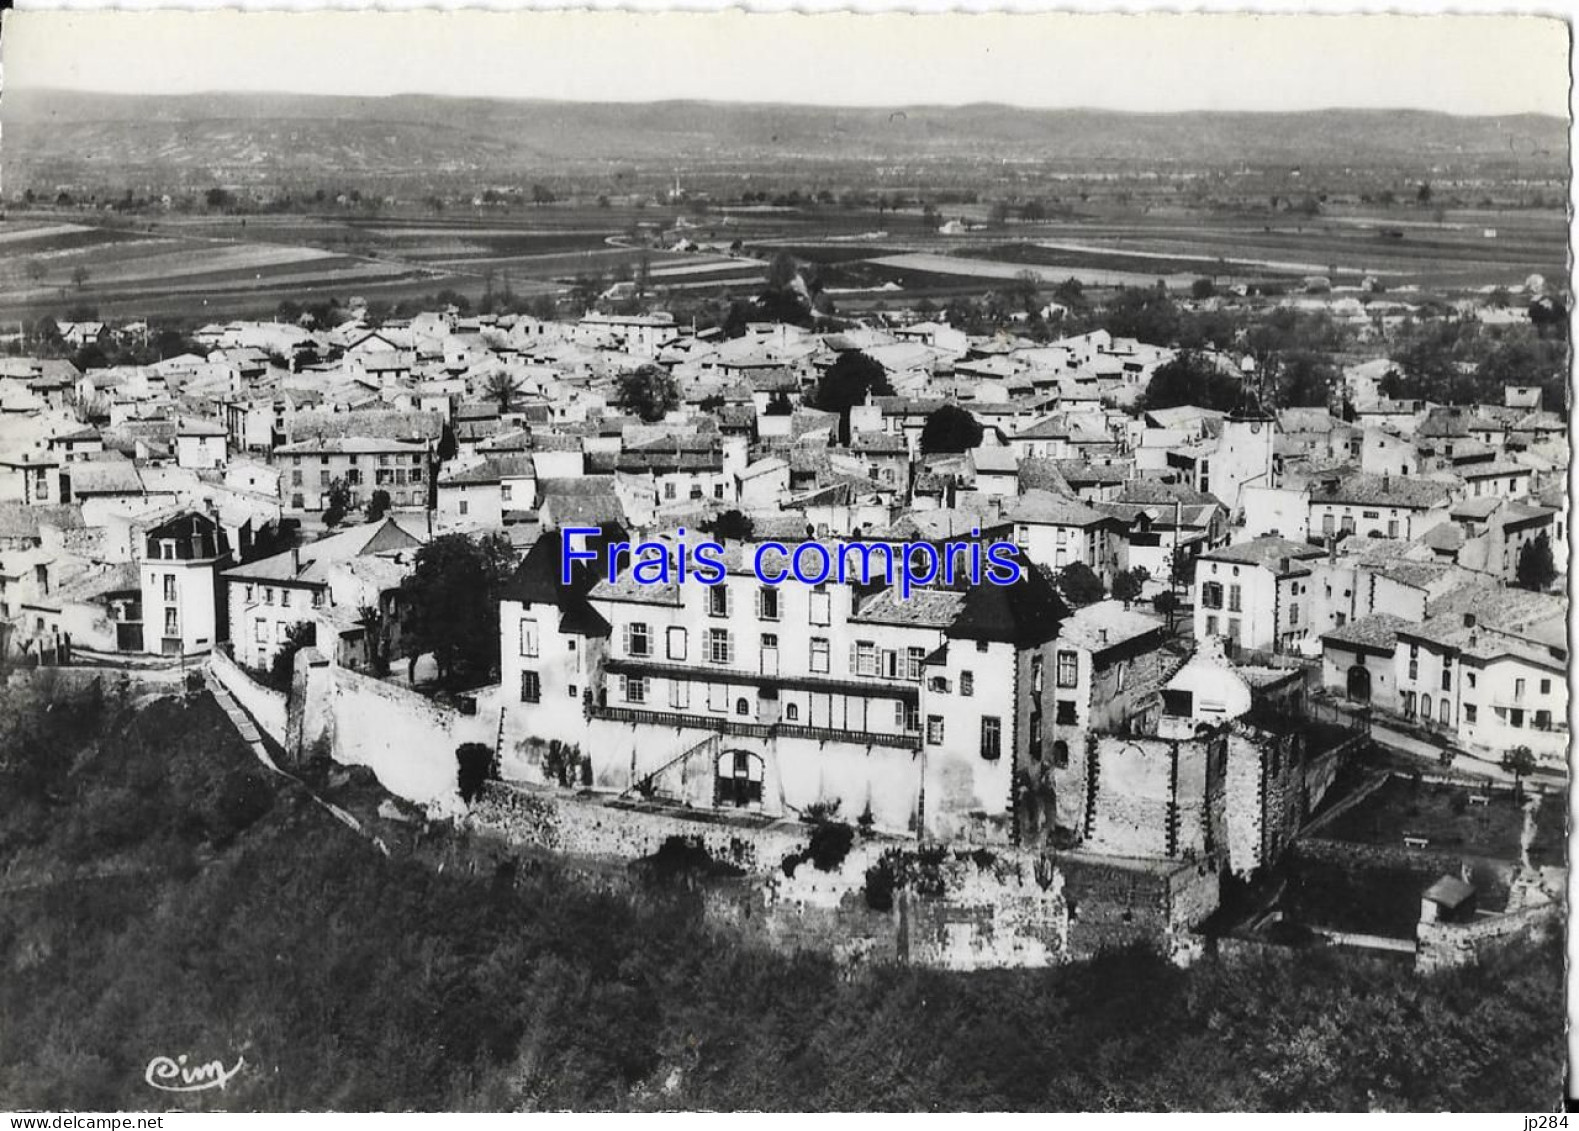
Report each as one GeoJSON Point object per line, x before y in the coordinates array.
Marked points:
{"type": "Point", "coordinates": [874, 688]}
{"type": "Point", "coordinates": [729, 726]}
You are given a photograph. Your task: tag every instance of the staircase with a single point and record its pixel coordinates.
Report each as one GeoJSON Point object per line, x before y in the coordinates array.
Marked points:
{"type": "Point", "coordinates": [710, 746]}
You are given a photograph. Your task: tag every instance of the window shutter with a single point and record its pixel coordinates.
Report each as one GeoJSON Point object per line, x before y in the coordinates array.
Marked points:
{"type": "Point", "coordinates": [853, 669]}
{"type": "Point", "coordinates": [899, 714]}
{"type": "Point", "coordinates": [626, 636]}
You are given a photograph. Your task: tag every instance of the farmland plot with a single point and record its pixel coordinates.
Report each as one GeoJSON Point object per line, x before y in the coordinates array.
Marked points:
{"type": "Point", "coordinates": [935, 264]}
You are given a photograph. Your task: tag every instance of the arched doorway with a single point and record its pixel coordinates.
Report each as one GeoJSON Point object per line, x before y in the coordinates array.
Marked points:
{"type": "Point", "coordinates": [738, 780]}
{"type": "Point", "coordinates": [1360, 683]}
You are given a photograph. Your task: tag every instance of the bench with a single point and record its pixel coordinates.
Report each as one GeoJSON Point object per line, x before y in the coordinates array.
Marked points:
{"type": "Point", "coordinates": [1479, 799]}
{"type": "Point", "coordinates": [1415, 841]}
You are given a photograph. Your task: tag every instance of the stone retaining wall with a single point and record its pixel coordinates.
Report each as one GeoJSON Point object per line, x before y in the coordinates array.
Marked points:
{"type": "Point", "coordinates": [977, 910]}
{"type": "Point", "coordinates": [266, 706]}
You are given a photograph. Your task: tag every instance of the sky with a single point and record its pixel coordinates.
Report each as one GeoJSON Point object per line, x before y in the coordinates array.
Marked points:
{"type": "Point", "coordinates": [1488, 64]}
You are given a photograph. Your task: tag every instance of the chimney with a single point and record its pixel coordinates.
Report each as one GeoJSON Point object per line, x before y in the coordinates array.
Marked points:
{"type": "Point", "coordinates": [1283, 565]}
{"type": "Point", "coordinates": [1102, 635]}
{"type": "Point", "coordinates": [1387, 481]}
{"type": "Point", "coordinates": [296, 560]}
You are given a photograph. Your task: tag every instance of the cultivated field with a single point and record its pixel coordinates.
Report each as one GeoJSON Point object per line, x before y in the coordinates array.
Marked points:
{"type": "Point", "coordinates": [46, 267]}
{"type": "Point", "coordinates": [215, 265]}
{"type": "Point", "coordinates": [972, 268]}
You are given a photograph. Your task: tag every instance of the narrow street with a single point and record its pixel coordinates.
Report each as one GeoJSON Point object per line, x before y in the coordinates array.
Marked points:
{"type": "Point", "coordinates": [1385, 732]}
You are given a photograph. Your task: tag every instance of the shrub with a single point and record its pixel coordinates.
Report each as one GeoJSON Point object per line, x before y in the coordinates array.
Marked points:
{"type": "Point", "coordinates": [681, 856]}
{"type": "Point", "coordinates": [475, 767]}
{"type": "Point", "coordinates": [830, 844]}
{"type": "Point", "coordinates": [562, 762]}
{"type": "Point", "coordinates": [820, 812]}
{"type": "Point", "coordinates": [880, 883]}
{"type": "Point", "coordinates": [926, 871]}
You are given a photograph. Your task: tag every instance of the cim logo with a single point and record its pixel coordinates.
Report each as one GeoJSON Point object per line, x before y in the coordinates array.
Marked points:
{"type": "Point", "coordinates": [175, 1076]}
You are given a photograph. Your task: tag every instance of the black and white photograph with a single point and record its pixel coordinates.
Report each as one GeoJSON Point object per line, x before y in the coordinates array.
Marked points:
{"type": "Point", "coordinates": [657, 561]}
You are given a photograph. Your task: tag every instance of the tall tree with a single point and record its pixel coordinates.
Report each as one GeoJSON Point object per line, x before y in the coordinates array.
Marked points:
{"type": "Point", "coordinates": [1143, 313]}
{"type": "Point", "coordinates": [1520, 762]}
{"type": "Point", "coordinates": [1080, 585]}
{"type": "Point", "coordinates": [1305, 379]}
{"type": "Point", "coordinates": [649, 391]}
{"type": "Point", "coordinates": [338, 503]}
{"type": "Point", "coordinates": [731, 524]}
{"type": "Point", "coordinates": [849, 379]}
{"type": "Point", "coordinates": [1166, 603]}
{"type": "Point", "coordinates": [502, 387]}
{"type": "Point", "coordinates": [378, 505]}
{"type": "Point", "coordinates": [1128, 583]}
{"type": "Point", "coordinates": [302, 634]}
{"type": "Point", "coordinates": [1537, 569]}
{"type": "Point", "coordinates": [1191, 379]}
{"type": "Point", "coordinates": [452, 602]}
{"type": "Point", "coordinates": [781, 271]}
{"type": "Point", "coordinates": [377, 646]}
{"type": "Point", "coordinates": [950, 429]}
{"type": "Point", "coordinates": [846, 384]}
{"type": "Point", "coordinates": [1024, 292]}
{"type": "Point", "coordinates": [1524, 361]}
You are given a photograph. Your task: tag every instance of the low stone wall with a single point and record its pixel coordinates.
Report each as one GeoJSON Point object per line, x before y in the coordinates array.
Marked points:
{"type": "Point", "coordinates": [1439, 946]}
{"type": "Point", "coordinates": [266, 706]}
{"type": "Point", "coordinates": [1446, 861]}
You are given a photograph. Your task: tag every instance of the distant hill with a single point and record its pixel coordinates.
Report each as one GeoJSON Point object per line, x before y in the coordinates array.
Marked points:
{"type": "Point", "coordinates": [75, 136]}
